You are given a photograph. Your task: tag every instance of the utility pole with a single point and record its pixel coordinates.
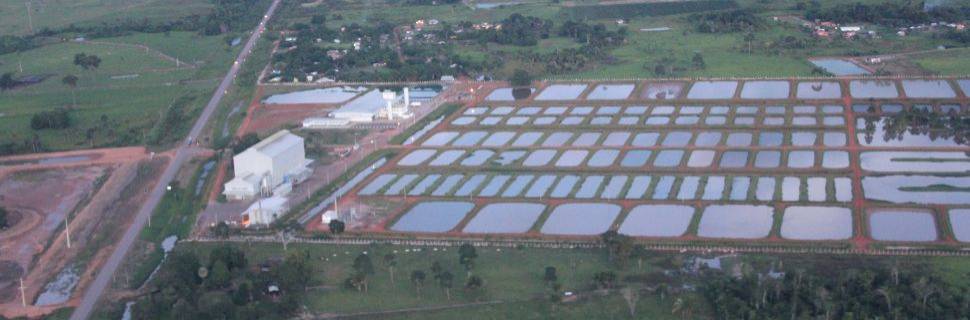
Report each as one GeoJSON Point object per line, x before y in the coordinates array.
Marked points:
{"type": "Point", "coordinates": [30, 21]}
{"type": "Point", "coordinates": [67, 228]}
{"type": "Point", "coordinates": [23, 296]}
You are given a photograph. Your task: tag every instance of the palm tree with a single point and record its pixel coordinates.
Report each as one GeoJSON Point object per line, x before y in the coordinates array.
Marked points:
{"type": "Point", "coordinates": [71, 81]}
{"type": "Point", "coordinates": [390, 260]}
{"type": "Point", "coordinates": [446, 280]}
{"type": "Point", "coordinates": [417, 278]}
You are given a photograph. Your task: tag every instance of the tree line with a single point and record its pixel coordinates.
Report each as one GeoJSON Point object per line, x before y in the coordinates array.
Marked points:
{"type": "Point", "coordinates": [889, 13]}
{"type": "Point", "coordinates": [225, 286]}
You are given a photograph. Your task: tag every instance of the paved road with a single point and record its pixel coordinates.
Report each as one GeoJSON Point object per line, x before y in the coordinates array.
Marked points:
{"type": "Point", "coordinates": [103, 279]}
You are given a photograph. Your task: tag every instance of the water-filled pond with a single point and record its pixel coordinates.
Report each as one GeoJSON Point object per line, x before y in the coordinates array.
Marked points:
{"type": "Point", "coordinates": [561, 92]}
{"type": "Point", "coordinates": [662, 90]}
{"type": "Point", "coordinates": [801, 159]}
{"type": "Point", "coordinates": [540, 186]}
{"type": "Point", "coordinates": [922, 161]}
{"type": "Point", "coordinates": [816, 189]}
{"type": "Point", "coordinates": [506, 94]}
{"type": "Point", "coordinates": [688, 188]}
{"type": "Point", "coordinates": [839, 67]}
{"type": "Point", "coordinates": [517, 186]}
{"type": "Point", "coordinates": [471, 185]}
{"type": "Point", "coordinates": [398, 187]}
{"type": "Point", "coordinates": [765, 191]}
{"type": "Point", "coordinates": [765, 90]}
{"type": "Point", "coordinates": [616, 139]}
{"type": "Point", "coordinates": [433, 216]}
{"type": "Point", "coordinates": [447, 185]}
{"type": "Point", "coordinates": [494, 186]}
{"type": "Point", "coordinates": [677, 139]}
{"type": "Point", "coordinates": [735, 221]}
{"type": "Point", "coordinates": [557, 139]}
{"type": "Point", "coordinates": [835, 159]}
{"type": "Point", "coordinates": [767, 159]}
{"type": "Point", "coordinates": [739, 188]}
{"type": "Point", "coordinates": [572, 158]}
{"type": "Point", "coordinates": [586, 139]}
{"type": "Point", "coordinates": [416, 157]}
{"type": "Point", "coordinates": [635, 158]}
{"type": "Point", "coordinates": [668, 158]}
{"type": "Point", "coordinates": [739, 139]}
{"type": "Point", "coordinates": [960, 223]}
{"type": "Point", "coordinates": [440, 139]}
{"type": "Point", "coordinates": [701, 158]}
{"type": "Point", "coordinates": [878, 89]}
{"type": "Point", "coordinates": [734, 159]}
{"type": "Point", "coordinates": [791, 189]}
{"type": "Point", "coordinates": [917, 189]}
{"type": "Point", "coordinates": [928, 89]}
{"type": "Point", "coordinates": [581, 219]}
{"type": "Point", "coordinates": [603, 158]}
{"type": "Point", "coordinates": [446, 158]}
{"type": "Point", "coordinates": [648, 139]}
{"type": "Point", "coordinates": [662, 190]}
{"type": "Point", "coordinates": [508, 157]}
{"type": "Point", "coordinates": [515, 217]}
{"type": "Point", "coordinates": [477, 158]}
{"type": "Point", "coordinates": [638, 188]}
{"type": "Point", "coordinates": [610, 92]}
{"type": "Point", "coordinates": [377, 184]}
{"type": "Point", "coordinates": [527, 139]}
{"type": "Point", "coordinates": [564, 187]}
{"type": "Point", "coordinates": [714, 190]}
{"type": "Point", "coordinates": [423, 185]}
{"type": "Point", "coordinates": [589, 187]}
{"type": "Point", "coordinates": [877, 135]}
{"type": "Point", "coordinates": [843, 189]}
{"type": "Point", "coordinates": [707, 139]}
{"type": "Point", "coordinates": [834, 139]}
{"type": "Point", "coordinates": [324, 95]}
{"type": "Point", "coordinates": [816, 223]}
{"type": "Point", "coordinates": [614, 187]}
{"type": "Point", "coordinates": [539, 158]}
{"type": "Point", "coordinates": [818, 90]}
{"type": "Point", "coordinates": [712, 90]}
{"type": "Point", "coordinates": [902, 225]}
{"type": "Point", "coordinates": [498, 139]}
{"type": "Point", "coordinates": [657, 221]}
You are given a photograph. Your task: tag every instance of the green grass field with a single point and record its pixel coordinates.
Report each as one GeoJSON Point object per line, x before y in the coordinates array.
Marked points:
{"type": "Point", "coordinates": [56, 14]}
{"type": "Point", "coordinates": [132, 86]}
{"type": "Point", "coordinates": [514, 277]}
{"type": "Point", "coordinates": [953, 62]}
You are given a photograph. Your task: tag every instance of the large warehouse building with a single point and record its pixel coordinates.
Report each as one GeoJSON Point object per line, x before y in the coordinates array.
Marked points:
{"type": "Point", "coordinates": [271, 166]}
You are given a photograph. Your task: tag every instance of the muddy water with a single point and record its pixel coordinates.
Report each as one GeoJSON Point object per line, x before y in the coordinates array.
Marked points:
{"type": "Point", "coordinates": [662, 90]}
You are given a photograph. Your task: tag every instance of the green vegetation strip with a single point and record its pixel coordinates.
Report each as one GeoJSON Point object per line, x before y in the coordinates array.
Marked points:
{"type": "Point", "coordinates": [650, 9]}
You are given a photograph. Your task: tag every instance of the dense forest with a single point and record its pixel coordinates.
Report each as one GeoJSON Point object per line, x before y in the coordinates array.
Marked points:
{"type": "Point", "coordinates": [225, 285]}
{"type": "Point", "coordinates": [853, 294]}
{"type": "Point", "coordinates": [890, 13]}
{"type": "Point", "coordinates": [727, 21]}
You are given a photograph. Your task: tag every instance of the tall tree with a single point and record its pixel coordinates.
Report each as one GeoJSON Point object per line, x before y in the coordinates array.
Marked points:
{"type": "Point", "coordinates": [550, 275]}
{"type": "Point", "coordinates": [71, 81]}
{"type": "Point", "coordinates": [390, 260]}
{"type": "Point", "coordinates": [364, 267]}
{"type": "Point", "coordinates": [466, 256]}
{"type": "Point", "coordinates": [446, 280]}
{"type": "Point", "coordinates": [7, 81]}
{"type": "Point", "coordinates": [417, 278]}
{"type": "Point", "coordinates": [3, 218]}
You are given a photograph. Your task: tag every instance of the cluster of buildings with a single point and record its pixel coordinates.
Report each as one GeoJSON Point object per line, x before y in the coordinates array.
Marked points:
{"type": "Point", "coordinates": [267, 172]}
{"type": "Point", "coordinates": [365, 108]}
{"type": "Point", "coordinates": [826, 29]}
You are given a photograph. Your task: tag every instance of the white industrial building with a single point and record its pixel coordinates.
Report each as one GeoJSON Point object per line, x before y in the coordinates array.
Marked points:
{"type": "Point", "coordinates": [264, 211]}
{"type": "Point", "coordinates": [366, 108]}
{"type": "Point", "coordinates": [271, 166]}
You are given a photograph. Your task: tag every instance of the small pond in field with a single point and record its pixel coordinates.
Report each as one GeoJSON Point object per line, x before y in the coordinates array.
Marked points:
{"type": "Point", "coordinates": [839, 67]}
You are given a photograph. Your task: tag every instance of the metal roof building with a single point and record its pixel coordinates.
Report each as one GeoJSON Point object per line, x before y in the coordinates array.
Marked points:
{"type": "Point", "coordinates": [264, 167]}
